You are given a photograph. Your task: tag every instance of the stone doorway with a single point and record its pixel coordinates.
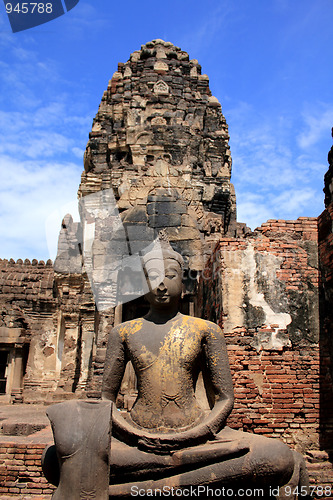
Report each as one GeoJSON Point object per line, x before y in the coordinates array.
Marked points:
{"type": "Point", "coordinates": [4, 355]}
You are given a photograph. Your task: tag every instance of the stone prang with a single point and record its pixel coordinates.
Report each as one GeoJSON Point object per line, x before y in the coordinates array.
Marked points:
{"type": "Point", "coordinates": [159, 125]}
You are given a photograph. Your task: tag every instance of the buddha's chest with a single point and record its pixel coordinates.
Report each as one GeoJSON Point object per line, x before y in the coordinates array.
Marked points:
{"type": "Point", "coordinates": [161, 349]}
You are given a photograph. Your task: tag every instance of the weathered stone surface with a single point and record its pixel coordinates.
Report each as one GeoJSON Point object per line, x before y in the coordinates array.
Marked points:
{"type": "Point", "coordinates": [78, 463]}
{"type": "Point", "coordinates": [150, 129]}
{"type": "Point", "coordinates": [162, 221]}
{"type": "Point", "coordinates": [328, 180]}
{"type": "Point", "coordinates": [165, 207]}
{"type": "Point", "coordinates": [263, 289]}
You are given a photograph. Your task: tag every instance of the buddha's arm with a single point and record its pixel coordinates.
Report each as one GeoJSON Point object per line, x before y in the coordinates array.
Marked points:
{"type": "Point", "coordinates": [218, 371]}
{"type": "Point", "coordinates": [114, 369]}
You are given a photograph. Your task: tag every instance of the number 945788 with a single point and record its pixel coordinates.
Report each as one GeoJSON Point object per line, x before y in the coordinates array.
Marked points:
{"type": "Point", "coordinates": [29, 8]}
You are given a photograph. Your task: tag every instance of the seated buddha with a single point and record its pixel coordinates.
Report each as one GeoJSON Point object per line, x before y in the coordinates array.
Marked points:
{"type": "Point", "coordinates": [168, 439]}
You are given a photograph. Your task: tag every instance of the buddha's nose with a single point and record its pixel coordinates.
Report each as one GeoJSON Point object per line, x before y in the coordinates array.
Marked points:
{"type": "Point", "coordinates": [161, 286]}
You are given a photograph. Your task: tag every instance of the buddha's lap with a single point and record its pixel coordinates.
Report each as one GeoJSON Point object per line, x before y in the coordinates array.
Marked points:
{"type": "Point", "coordinates": [228, 444]}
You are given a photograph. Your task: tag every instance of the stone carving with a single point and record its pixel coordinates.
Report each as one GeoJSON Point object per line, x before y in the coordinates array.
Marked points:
{"type": "Point", "coordinates": [161, 66]}
{"type": "Point", "coordinates": [158, 120]}
{"type": "Point", "coordinates": [78, 463]}
{"type": "Point", "coordinates": [168, 439]}
{"type": "Point", "coordinates": [161, 87]}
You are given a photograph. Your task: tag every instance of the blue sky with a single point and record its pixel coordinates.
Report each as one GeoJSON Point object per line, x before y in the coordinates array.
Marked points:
{"type": "Point", "coordinates": [269, 64]}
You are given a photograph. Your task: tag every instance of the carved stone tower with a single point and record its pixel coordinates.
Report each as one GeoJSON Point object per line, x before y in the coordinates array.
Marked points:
{"type": "Point", "coordinates": [158, 125]}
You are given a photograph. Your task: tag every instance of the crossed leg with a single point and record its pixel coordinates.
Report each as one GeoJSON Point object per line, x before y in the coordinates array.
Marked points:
{"type": "Point", "coordinates": [232, 457]}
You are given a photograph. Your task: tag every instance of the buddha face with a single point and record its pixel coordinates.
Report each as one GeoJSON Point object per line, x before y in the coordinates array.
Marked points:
{"type": "Point", "coordinates": [165, 282]}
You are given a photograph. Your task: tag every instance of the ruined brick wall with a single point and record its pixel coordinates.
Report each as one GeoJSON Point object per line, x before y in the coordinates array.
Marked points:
{"type": "Point", "coordinates": [47, 325]}
{"type": "Point", "coordinates": [263, 291]}
{"type": "Point", "coordinates": [25, 287]}
{"type": "Point", "coordinates": [28, 307]}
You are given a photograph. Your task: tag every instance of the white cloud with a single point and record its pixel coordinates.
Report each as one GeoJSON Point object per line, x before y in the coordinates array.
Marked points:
{"type": "Point", "coordinates": [262, 157]}
{"type": "Point", "coordinates": [273, 175]}
{"type": "Point", "coordinates": [204, 34]}
{"type": "Point", "coordinates": [42, 138]}
{"type": "Point", "coordinates": [318, 123]}
{"type": "Point", "coordinates": [82, 19]}
{"type": "Point", "coordinates": [78, 152]}
{"type": "Point", "coordinates": [254, 209]}
{"type": "Point", "coordinates": [29, 193]}
{"type": "Point", "coordinates": [294, 201]}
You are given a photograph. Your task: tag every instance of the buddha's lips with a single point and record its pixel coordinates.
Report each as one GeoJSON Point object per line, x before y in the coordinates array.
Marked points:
{"type": "Point", "coordinates": [162, 297]}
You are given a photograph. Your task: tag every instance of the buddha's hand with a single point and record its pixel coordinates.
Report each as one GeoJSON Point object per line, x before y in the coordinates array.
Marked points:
{"type": "Point", "coordinates": [166, 443]}
{"type": "Point", "coordinates": [159, 444]}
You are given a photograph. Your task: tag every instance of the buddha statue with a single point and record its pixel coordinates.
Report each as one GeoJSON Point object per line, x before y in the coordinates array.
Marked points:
{"type": "Point", "coordinates": [168, 440]}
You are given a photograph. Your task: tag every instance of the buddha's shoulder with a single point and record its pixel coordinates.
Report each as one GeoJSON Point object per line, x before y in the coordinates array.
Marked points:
{"type": "Point", "coordinates": [129, 327]}
{"type": "Point", "coordinates": [199, 323]}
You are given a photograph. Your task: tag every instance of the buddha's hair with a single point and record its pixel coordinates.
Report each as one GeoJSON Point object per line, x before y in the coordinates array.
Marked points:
{"type": "Point", "coordinates": [167, 251]}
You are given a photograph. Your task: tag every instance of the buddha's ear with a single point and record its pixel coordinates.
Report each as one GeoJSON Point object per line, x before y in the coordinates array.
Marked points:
{"type": "Point", "coordinates": [183, 291]}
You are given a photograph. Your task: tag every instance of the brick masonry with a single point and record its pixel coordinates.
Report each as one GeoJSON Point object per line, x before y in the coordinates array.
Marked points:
{"type": "Point", "coordinates": [20, 472]}
{"type": "Point", "coordinates": [280, 374]}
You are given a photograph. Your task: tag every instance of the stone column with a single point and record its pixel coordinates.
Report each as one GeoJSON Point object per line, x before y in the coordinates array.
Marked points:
{"type": "Point", "coordinates": [68, 373]}
{"type": "Point", "coordinates": [87, 342]}
{"type": "Point", "coordinates": [17, 379]}
{"type": "Point", "coordinates": [18, 369]}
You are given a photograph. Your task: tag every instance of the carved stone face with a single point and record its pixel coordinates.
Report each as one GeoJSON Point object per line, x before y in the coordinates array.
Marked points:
{"type": "Point", "coordinates": [165, 282]}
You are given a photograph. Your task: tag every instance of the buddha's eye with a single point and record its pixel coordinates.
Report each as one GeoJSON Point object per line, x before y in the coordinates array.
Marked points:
{"type": "Point", "coordinates": [154, 276]}
{"type": "Point", "coordinates": [171, 273]}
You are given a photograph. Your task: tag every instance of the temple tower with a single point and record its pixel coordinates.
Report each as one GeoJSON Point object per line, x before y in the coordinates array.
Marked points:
{"type": "Point", "coordinates": [158, 125]}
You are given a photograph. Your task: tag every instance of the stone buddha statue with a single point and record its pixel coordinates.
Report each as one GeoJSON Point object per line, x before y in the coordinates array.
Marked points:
{"type": "Point", "coordinates": [168, 440]}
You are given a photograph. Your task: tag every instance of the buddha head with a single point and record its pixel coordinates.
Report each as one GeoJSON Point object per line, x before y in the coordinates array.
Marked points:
{"type": "Point", "coordinates": [164, 272]}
